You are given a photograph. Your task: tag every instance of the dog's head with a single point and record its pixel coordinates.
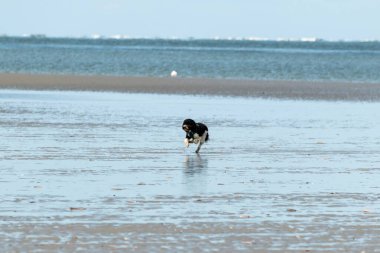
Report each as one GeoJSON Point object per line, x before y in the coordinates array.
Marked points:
{"type": "Point", "coordinates": [189, 125]}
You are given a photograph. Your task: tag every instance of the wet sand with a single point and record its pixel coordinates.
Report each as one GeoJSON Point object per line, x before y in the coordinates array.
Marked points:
{"type": "Point", "coordinates": [193, 86]}
{"type": "Point", "coordinates": [107, 172]}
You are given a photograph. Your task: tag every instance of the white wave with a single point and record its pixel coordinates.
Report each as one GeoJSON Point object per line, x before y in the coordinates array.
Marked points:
{"type": "Point", "coordinates": [257, 39]}
{"type": "Point", "coordinates": [96, 36]}
{"type": "Point", "coordinates": [120, 37]}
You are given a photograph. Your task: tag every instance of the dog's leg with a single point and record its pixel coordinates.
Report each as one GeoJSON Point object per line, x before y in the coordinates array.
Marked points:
{"type": "Point", "coordinates": [203, 139]}
{"type": "Point", "coordinates": [199, 147]}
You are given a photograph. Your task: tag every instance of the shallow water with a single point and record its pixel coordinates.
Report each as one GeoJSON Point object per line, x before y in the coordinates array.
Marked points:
{"type": "Point", "coordinates": [278, 174]}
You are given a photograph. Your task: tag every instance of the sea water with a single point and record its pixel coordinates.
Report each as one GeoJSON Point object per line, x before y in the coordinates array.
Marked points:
{"type": "Point", "coordinates": [121, 158]}
{"type": "Point", "coordinates": [235, 59]}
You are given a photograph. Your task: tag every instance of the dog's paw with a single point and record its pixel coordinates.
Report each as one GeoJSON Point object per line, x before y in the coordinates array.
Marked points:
{"type": "Point", "coordinates": [186, 143]}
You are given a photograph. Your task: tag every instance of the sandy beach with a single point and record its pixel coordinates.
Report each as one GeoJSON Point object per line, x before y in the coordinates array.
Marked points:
{"type": "Point", "coordinates": [193, 86]}
{"type": "Point", "coordinates": [107, 171]}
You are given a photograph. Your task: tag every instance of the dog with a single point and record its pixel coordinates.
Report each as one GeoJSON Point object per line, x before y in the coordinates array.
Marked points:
{"type": "Point", "coordinates": [196, 133]}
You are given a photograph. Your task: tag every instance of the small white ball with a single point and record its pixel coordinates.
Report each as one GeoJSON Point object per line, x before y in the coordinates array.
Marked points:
{"type": "Point", "coordinates": [173, 73]}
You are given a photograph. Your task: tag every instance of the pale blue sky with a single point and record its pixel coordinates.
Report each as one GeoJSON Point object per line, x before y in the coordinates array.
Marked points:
{"type": "Point", "coordinates": [327, 19]}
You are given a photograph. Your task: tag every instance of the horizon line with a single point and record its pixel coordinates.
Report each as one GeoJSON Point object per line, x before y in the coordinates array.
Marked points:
{"type": "Point", "coordinates": [228, 38]}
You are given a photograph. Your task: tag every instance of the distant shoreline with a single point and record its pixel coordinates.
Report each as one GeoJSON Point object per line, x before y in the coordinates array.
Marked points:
{"type": "Point", "coordinates": [305, 90]}
{"type": "Point", "coordinates": [306, 39]}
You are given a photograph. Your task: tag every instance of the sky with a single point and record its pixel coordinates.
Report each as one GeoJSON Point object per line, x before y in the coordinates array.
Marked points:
{"type": "Point", "coordinates": [325, 19]}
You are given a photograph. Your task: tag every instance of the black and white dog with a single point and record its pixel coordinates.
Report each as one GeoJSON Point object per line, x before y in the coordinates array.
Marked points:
{"type": "Point", "coordinates": [196, 133]}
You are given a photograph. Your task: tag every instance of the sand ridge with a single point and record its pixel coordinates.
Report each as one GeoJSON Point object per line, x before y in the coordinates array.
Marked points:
{"type": "Point", "coordinates": [197, 86]}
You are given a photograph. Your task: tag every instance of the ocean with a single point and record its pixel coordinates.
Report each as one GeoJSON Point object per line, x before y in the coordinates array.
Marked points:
{"type": "Point", "coordinates": [226, 59]}
{"type": "Point", "coordinates": [83, 169]}
{"type": "Point", "coordinates": [108, 172]}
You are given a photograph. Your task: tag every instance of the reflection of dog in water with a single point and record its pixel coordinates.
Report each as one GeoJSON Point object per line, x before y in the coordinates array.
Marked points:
{"type": "Point", "coordinates": [194, 164]}
{"type": "Point", "coordinates": [196, 133]}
